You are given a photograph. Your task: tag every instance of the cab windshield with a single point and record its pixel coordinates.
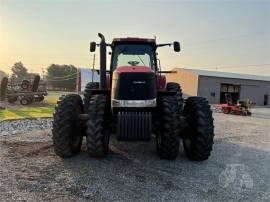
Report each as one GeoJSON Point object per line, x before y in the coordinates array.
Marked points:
{"type": "Point", "coordinates": [133, 55]}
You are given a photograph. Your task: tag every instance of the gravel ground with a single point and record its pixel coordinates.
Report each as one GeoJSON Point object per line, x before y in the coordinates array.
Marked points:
{"type": "Point", "coordinates": [8, 128]}
{"type": "Point", "coordinates": [238, 169]}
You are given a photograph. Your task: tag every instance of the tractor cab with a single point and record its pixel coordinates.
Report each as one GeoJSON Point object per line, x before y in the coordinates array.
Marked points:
{"type": "Point", "coordinates": [133, 67]}
{"type": "Point", "coordinates": [133, 52]}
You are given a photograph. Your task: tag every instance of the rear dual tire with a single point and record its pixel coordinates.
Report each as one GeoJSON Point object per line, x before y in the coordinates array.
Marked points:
{"type": "Point", "coordinates": [175, 87]}
{"type": "Point", "coordinates": [88, 93]}
{"type": "Point", "coordinates": [171, 86]}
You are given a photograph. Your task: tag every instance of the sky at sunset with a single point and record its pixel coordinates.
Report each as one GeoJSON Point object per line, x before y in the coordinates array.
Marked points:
{"type": "Point", "coordinates": [229, 36]}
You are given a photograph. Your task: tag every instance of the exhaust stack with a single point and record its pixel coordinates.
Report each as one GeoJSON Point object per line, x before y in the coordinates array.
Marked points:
{"type": "Point", "coordinates": [102, 74]}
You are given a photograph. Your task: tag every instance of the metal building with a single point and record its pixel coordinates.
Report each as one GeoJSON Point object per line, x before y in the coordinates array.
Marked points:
{"type": "Point", "coordinates": [84, 76]}
{"type": "Point", "coordinates": [213, 85]}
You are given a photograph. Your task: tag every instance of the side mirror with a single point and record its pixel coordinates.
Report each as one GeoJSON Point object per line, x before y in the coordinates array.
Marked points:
{"type": "Point", "coordinates": [176, 46]}
{"type": "Point", "coordinates": [93, 46]}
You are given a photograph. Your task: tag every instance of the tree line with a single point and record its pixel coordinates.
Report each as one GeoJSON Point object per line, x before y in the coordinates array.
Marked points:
{"type": "Point", "coordinates": [58, 77]}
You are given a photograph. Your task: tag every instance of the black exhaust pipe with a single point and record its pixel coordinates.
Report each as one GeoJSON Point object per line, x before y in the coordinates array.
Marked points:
{"type": "Point", "coordinates": [102, 73]}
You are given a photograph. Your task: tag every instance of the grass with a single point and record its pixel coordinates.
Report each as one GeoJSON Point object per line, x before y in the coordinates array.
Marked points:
{"type": "Point", "coordinates": [26, 112]}
{"type": "Point", "coordinates": [51, 100]}
{"type": "Point", "coordinates": [31, 111]}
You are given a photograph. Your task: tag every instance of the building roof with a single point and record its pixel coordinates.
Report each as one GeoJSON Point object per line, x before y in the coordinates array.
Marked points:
{"type": "Point", "coordinates": [226, 74]}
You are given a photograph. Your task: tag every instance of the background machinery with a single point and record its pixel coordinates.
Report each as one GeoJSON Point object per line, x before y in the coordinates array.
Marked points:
{"type": "Point", "coordinates": [26, 92]}
{"type": "Point", "coordinates": [238, 108]}
{"type": "Point", "coordinates": [133, 101]}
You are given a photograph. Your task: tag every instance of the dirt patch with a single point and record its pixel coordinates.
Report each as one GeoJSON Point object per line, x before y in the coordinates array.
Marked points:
{"type": "Point", "coordinates": [27, 149]}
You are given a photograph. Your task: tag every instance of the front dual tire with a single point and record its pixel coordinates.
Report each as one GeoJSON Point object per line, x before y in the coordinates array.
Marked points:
{"type": "Point", "coordinates": [98, 126]}
{"type": "Point", "coordinates": [67, 132]}
{"type": "Point", "coordinates": [167, 137]}
{"type": "Point", "coordinates": [195, 126]}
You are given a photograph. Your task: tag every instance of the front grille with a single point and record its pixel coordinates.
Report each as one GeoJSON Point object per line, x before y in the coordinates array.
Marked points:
{"type": "Point", "coordinates": [134, 86]}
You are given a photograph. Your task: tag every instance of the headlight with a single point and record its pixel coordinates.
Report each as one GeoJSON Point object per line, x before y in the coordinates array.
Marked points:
{"type": "Point", "coordinates": [134, 103]}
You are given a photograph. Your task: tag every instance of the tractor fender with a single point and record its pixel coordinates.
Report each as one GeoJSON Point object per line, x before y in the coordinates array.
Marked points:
{"type": "Point", "coordinates": [161, 81]}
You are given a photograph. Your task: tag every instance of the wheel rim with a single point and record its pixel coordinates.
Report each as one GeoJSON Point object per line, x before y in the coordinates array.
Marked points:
{"type": "Point", "coordinates": [24, 101]}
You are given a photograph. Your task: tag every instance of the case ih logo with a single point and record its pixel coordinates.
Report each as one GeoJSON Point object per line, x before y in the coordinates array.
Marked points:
{"type": "Point", "coordinates": [139, 82]}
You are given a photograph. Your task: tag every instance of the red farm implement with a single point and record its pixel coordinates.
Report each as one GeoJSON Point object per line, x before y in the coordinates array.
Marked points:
{"type": "Point", "coordinates": [240, 108]}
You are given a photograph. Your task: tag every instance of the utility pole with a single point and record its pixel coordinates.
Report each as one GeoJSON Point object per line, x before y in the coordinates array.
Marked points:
{"type": "Point", "coordinates": [43, 73]}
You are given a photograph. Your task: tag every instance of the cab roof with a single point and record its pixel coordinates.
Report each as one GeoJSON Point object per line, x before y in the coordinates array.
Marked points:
{"type": "Point", "coordinates": [133, 40]}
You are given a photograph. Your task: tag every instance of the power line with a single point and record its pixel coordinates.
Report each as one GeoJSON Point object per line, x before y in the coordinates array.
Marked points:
{"type": "Point", "coordinates": [239, 66]}
{"type": "Point", "coordinates": [223, 38]}
{"type": "Point", "coordinates": [60, 77]}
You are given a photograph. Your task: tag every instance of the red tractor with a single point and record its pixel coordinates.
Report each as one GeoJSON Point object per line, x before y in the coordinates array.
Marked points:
{"type": "Point", "coordinates": [133, 101]}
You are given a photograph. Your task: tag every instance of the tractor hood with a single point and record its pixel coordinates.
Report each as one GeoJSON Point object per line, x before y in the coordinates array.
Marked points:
{"type": "Point", "coordinates": [134, 83]}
